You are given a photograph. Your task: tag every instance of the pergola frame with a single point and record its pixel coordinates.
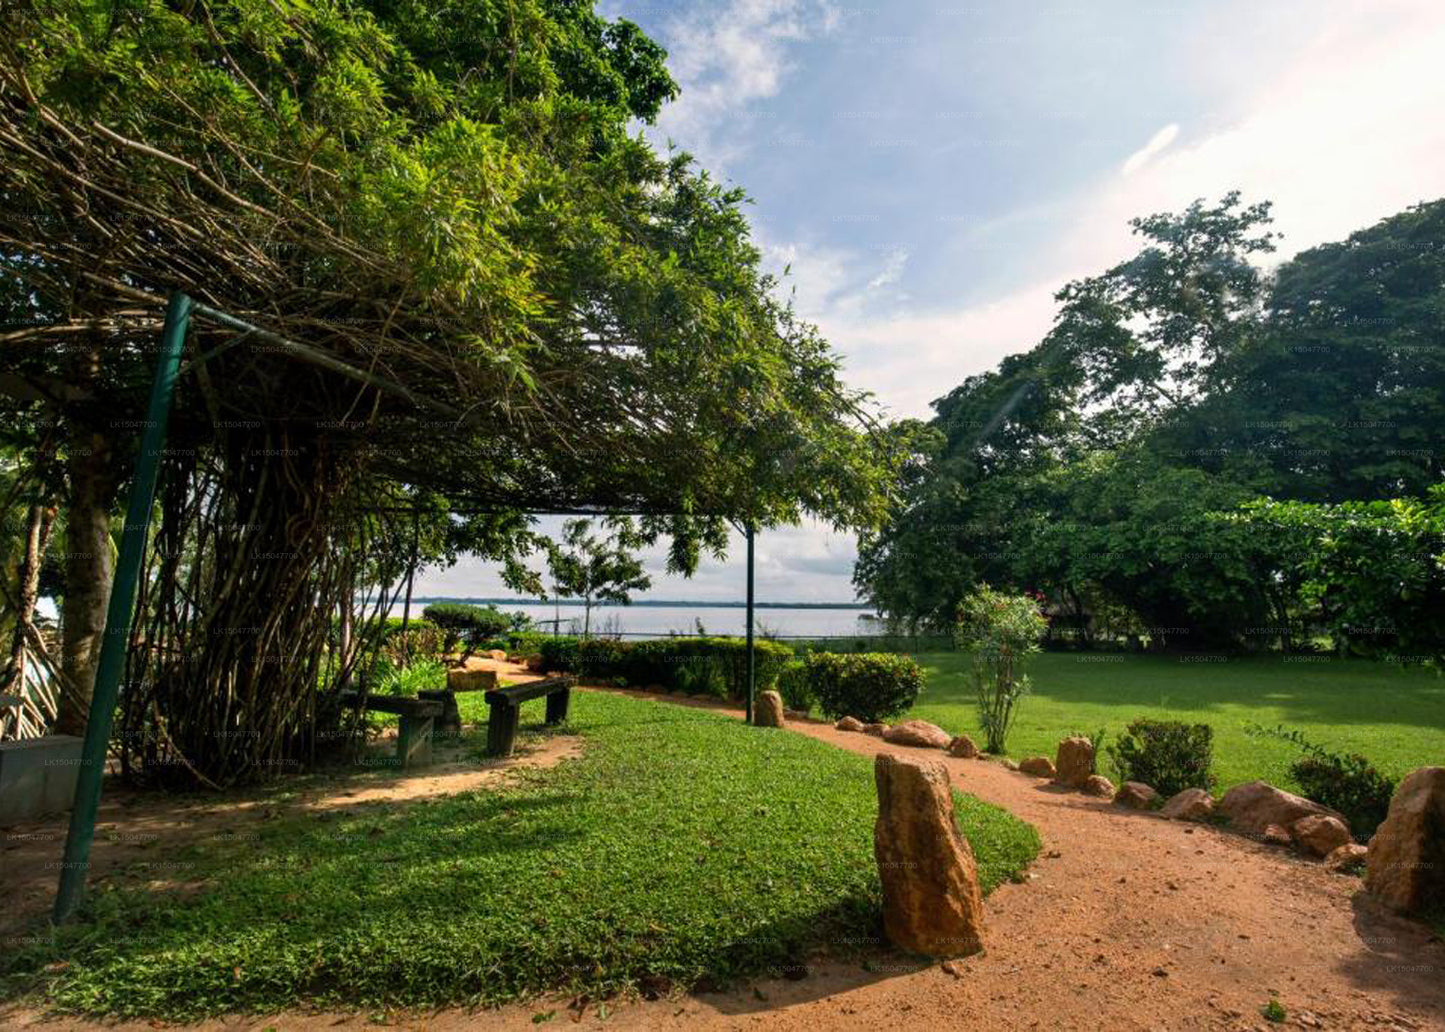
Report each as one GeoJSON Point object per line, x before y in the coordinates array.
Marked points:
{"type": "Point", "coordinates": [110, 667]}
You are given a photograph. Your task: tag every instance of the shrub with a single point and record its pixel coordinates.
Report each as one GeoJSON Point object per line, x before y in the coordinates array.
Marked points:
{"type": "Point", "coordinates": [421, 640]}
{"type": "Point", "coordinates": [794, 687]}
{"type": "Point", "coordinates": [701, 675]}
{"type": "Point", "coordinates": [661, 661]}
{"type": "Point", "coordinates": [872, 686]}
{"type": "Point", "coordinates": [395, 679]}
{"type": "Point", "coordinates": [1168, 755]}
{"type": "Point", "coordinates": [1001, 631]}
{"type": "Point", "coordinates": [468, 625]}
{"type": "Point", "coordinates": [1347, 782]}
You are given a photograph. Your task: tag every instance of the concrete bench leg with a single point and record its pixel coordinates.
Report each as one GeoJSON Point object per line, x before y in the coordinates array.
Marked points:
{"type": "Point", "coordinates": [557, 704]}
{"type": "Point", "coordinates": [501, 728]}
{"type": "Point", "coordinates": [413, 743]}
{"type": "Point", "coordinates": [449, 725]}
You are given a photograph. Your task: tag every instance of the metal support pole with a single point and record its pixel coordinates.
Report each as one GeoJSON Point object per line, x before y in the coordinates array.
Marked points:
{"type": "Point", "coordinates": [752, 665]}
{"type": "Point", "coordinates": [111, 665]}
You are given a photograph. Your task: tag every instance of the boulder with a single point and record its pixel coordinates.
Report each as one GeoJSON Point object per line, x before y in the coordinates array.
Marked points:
{"type": "Point", "coordinates": [876, 730]}
{"type": "Point", "coordinates": [1406, 864]}
{"type": "Point", "coordinates": [1319, 835]}
{"type": "Point", "coordinates": [918, 732]}
{"type": "Point", "coordinates": [1098, 785]}
{"type": "Point", "coordinates": [769, 710]}
{"type": "Point", "coordinates": [963, 747]}
{"type": "Point", "coordinates": [1074, 761]}
{"type": "Point", "coordinates": [1038, 766]}
{"type": "Point", "coordinates": [1347, 858]}
{"type": "Point", "coordinates": [1255, 805]}
{"type": "Point", "coordinates": [931, 900]}
{"type": "Point", "coordinates": [1193, 804]}
{"type": "Point", "coordinates": [795, 714]}
{"type": "Point", "coordinates": [1136, 795]}
{"type": "Point", "coordinates": [849, 724]}
{"type": "Point", "coordinates": [1275, 835]}
{"type": "Point", "coordinates": [498, 654]}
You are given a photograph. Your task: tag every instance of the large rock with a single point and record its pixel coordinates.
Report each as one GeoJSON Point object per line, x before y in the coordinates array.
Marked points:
{"type": "Point", "coordinates": [1038, 766]}
{"type": "Point", "coordinates": [769, 710]}
{"type": "Point", "coordinates": [499, 655]}
{"type": "Point", "coordinates": [1193, 804]}
{"type": "Point", "coordinates": [849, 724]}
{"type": "Point", "coordinates": [1136, 795]}
{"type": "Point", "coordinates": [1074, 761]}
{"type": "Point", "coordinates": [963, 747]}
{"type": "Point", "coordinates": [1255, 805]}
{"type": "Point", "coordinates": [1406, 863]}
{"type": "Point", "coordinates": [876, 730]}
{"type": "Point", "coordinates": [931, 900]}
{"type": "Point", "coordinates": [918, 732]}
{"type": "Point", "coordinates": [1320, 835]}
{"type": "Point", "coordinates": [1098, 785]}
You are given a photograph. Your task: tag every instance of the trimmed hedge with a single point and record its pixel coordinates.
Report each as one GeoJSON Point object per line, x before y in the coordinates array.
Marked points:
{"type": "Point", "coordinates": [872, 686]}
{"type": "Point", "coordinates": [794, 687]}
{"type": "Point", "coordinates": [677, 664]}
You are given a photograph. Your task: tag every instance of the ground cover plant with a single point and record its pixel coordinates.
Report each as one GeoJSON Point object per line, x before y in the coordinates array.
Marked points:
{"type": "Point", "coordinates": [682, 846]}
{"type": "Point", "coordinates": [1392, 715]}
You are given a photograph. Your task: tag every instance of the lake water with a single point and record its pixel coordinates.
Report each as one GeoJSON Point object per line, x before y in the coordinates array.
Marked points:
{"type": "Point", "coordinates": [660, 621]}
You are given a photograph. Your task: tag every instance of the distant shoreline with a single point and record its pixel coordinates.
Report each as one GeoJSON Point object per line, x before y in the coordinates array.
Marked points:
{"type": "Point", "coordinates": [648, 603]}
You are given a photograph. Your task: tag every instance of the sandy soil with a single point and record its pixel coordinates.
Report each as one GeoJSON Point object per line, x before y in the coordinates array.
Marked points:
{"type": "Point", "coordinates": [1128, 921]}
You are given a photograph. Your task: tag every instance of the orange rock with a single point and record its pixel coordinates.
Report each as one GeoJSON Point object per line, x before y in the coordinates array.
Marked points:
{"type": "Point", "coordinates": [931, 900]}
{"type": "Point", "coordinates": [918, 732]}
{"type": "Point", "coordinates": [1405, 867]}
{"type": "Point", "coordinates": [769, 710]}
{"type": "Point", "coordinates": [1074, 762]}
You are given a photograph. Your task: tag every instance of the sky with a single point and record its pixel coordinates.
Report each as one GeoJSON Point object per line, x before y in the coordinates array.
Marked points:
{"type": "Point", "coordinates": [930, 174]}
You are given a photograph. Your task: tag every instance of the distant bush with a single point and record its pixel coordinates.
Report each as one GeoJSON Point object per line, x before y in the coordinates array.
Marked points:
{"type": "Point", "coordinates": [872, 686]}
{"type": "Point", "coordinates": [1167, 755]}
{"type": "Point", "coordinates": [794, 686]}
{"type": "Point", "coordinates": [668, 662]}
{"type": "Point", "coordinates": [1347, 782]}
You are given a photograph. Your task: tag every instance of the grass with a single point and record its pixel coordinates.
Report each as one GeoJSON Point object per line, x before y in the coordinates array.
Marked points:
{"type": "Point", "coordinates": [1393, 716]}
{"type": "Point", "coordinates": [682, 848]}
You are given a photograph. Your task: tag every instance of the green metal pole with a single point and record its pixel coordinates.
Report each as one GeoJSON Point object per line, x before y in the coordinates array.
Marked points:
{"type": "Point", "coordinates": [752, 666]}
{"type": "Point", "coordinates": [118, 616]}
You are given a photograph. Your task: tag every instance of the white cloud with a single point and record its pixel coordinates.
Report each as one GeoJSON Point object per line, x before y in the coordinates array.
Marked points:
{"type": "Point", "coordinates": [892, 270]}
{"type": "Point", "coordinates": [1156, 145]}
{"type": "Point", "coordinates": [727, 56]}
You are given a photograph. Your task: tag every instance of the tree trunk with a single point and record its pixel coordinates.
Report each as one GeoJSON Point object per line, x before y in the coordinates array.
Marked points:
{"type": "Point", "coordinates": [89, 571]}
{"type": "Point", "coordinates": [37, 535]}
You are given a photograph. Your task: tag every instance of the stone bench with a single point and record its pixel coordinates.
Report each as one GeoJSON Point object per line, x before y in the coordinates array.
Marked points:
{"type": "Point", "coordinates": [505, 705]}
{"type": "Point", "coordinates": [418, 723]}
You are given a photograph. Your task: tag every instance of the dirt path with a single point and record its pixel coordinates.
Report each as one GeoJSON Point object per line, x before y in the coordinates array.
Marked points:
{"type": "Point", "coordinates": [1129, 922]}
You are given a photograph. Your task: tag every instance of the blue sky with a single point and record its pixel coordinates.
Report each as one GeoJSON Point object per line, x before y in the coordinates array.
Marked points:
{"type": "Point", "coordinates": [930, 173]}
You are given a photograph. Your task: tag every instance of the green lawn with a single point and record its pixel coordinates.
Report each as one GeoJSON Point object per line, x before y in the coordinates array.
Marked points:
{"type": "Point", "coordinates": [1395, 717]}
{"type": "Point", "coordinates": [683, 846]}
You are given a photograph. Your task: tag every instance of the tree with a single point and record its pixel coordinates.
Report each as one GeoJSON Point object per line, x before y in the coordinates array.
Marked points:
{"type": "Point", "coordinates": [596, 569]}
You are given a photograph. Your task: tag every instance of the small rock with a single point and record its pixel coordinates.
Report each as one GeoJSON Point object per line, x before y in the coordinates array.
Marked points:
{"type": "Point", "coordinates": [1010, 765]}
{"type": "Point", "coordinates": [1320, 835]}
{"type": "Point", "coordinates": [1100, 786]}
{"type": "Point", "coordinates": [849, 724]}
{"type": "Point", "coordinates": [876, 730]}
{"type": "Point", "coordinates": [1038, 766]}
{"type": "Point", "coordinates": [1274, 835]}
{"type": "Point", "coordinates": [1193, 804]}
{"type": "Point", "coordinates": [1136, 795]}
{"type": "Point", "coordinates": [952, 968]}
{"type": "Point", "coordinates": [1347, 858]}
{"type": "Point", "coordinates": [963, 747]}
{"type": "Point", "coordinates": [769, 710]}
{"type": "Point", "coordinates": [496, 654]}
{"type": "Point", "coordinates": [918, 732]}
